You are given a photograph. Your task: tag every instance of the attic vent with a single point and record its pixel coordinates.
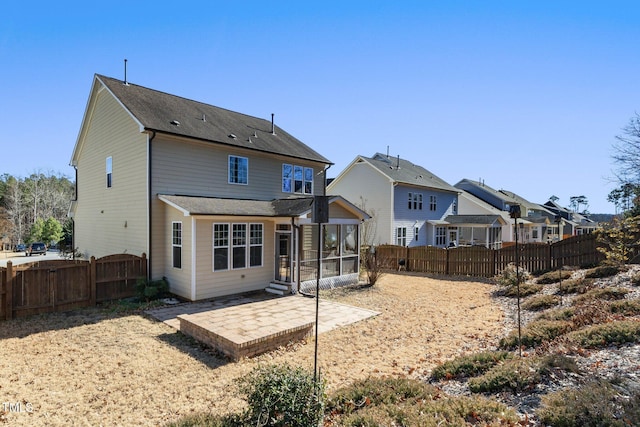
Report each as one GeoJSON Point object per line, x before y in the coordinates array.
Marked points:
{"type": "Point", "coordinates": [232, 136]}
{"type": "Point", "coordinates": [175, 122]}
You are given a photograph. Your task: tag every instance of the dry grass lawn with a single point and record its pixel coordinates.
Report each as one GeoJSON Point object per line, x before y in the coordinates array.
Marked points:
{"type": "Point", "coordinates": [93, 367]}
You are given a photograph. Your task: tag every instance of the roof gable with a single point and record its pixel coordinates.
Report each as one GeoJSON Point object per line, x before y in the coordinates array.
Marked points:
{"type": "Point", "coordinates": [404, 172]}
{"type": "Point", "coordinates": [163, 112]}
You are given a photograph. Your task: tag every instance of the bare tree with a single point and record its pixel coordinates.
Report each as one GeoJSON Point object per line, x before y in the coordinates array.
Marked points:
{"type": "Point", "coordinates": [626, 152]}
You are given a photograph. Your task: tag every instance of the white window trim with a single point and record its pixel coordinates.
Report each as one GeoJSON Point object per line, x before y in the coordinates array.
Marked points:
{"type": "Point", "coordinates": [174, 245]}
{"type": "Point", "coordinates": [109, 171]}
{"type": "Point", "coordinates": [229, 170]}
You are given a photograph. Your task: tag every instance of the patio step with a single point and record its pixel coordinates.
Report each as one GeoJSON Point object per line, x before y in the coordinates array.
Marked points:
{"type": "Point", "coordinates": [278, 288]}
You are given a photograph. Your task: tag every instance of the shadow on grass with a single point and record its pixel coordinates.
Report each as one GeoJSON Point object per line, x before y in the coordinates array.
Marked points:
{"type": "Point", "coordinates": [22, 327]}
{"type": "Point", "coordinates": [209, 356]}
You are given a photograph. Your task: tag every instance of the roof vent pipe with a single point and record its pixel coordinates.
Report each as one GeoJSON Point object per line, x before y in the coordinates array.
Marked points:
{"type": "Point", "coordinates": [125, 71]}
{"type": "Point", "coordinates": [273, 126]}
{"type": "Point", "coordinates": [398, 162]}
{"type": "Point", "coordinates": [387, 151]}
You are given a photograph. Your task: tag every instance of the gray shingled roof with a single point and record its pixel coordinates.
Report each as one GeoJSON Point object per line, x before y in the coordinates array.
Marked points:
{"type": "Point", "coordinates": [474, 219]}
{"type": "Point", "coordinates": [405, 172]}
{"type": "Point", "coordinates": [240, 207]}
{"type": "Point", "coordinates": [157, 110]}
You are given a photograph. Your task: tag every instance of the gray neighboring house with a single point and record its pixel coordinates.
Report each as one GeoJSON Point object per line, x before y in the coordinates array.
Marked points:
{"type": "Point", "coordinates": [536, 224]}
{"type": "Point", "coordinates": [219, 201]}
{"type": "Point", "coordinates": [408, 204]}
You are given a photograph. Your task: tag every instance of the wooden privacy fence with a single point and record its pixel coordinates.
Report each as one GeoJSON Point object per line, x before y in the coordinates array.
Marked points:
{"type": "Point", "coordinates": [60, 285]}
{"type": "Point", "coordinates": [482, 262]}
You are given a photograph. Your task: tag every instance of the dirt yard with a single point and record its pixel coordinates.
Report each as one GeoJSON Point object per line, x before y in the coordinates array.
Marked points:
{"type": "Point", "coordinates": [92, 367]}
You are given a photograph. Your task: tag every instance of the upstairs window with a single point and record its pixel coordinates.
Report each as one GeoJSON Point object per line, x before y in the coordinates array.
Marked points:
{"type": "Point", "coordinates": [432, 203]}
{"type": "Point", "coordinates": [109, 170]}
{"type": "Point", "coordinates": [238, 170]}
{"type": "Point", "coordinates": [415, 201]}
{"type": "Point", "coordinates": [297, 179]}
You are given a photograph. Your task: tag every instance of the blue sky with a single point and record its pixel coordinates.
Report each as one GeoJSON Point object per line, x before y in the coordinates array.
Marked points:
{"type": "Point", "coordinates": [526, 95]}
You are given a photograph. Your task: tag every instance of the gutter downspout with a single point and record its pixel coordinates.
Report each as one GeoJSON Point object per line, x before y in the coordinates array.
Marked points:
{"type": "Point", "coordinates": [149, 207]}
{"type": "Point", "coordinates": [73, 222]}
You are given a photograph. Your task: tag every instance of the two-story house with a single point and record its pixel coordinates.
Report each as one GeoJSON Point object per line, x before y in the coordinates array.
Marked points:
{"type": "Point", "coordinates": [536, 223]}
{"type": "Point", "coordinates": [408, 204]}
{"type": "Point", "coordinates": [220, 201]}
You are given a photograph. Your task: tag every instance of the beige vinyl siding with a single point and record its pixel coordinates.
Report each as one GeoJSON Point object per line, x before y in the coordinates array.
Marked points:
{"type": "Point", "coordinates": [371, 191]}
{"type": "Point", "coordinates": [201, 169]}
{"type": "Point", "coordinates": [111, 220]}
{"type": "Point", "coordinates": [214, 284]}
{"type": "Point", "coordinates": [179, 279]}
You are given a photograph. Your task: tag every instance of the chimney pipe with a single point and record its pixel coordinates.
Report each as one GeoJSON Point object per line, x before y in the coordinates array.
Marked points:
{"type": "Point", "coordinates": [273, 126]}
{"type": "Point", "coordinates": [398, 162]}
{"type": "Point", "coordinates": [125, 71]}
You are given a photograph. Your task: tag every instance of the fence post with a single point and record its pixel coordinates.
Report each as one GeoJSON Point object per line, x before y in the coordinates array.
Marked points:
{"type": "Point", "coordinates": [144, 264]}
{"type": "Point", "coordinates": [9, 291]}
{"type": "Point", "coordinates": [92, 281]}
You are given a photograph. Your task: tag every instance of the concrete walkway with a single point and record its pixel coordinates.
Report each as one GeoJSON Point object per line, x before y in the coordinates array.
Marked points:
{"type": "Point", "coordinates": [240, 310]}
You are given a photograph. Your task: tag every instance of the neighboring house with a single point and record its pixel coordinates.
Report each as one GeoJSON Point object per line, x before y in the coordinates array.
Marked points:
{"type": "Point", "coordinates": [220, 201]}
{"type": "Point", "coordinates": [490, 227]}
{"type": "Point", "coordinates": [408, 204]}
{"type": "Point", "coordinates": [536, 224]}
{"type": "Point", "coordinates": [574, 223]}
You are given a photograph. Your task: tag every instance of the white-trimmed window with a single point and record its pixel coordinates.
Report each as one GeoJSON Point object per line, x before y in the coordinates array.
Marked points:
{"type": "Point", "coordinates": [308, 181]}
{"type": "Point", "coordinates": [415, 201]}
{"type": "Point", "coordinates": [238, 170]}
{"type": "Point", "coordinates": [441, 236]}
{"type": "Point", "coordinates": [234, 249]}
{"type": "Point", "coordinates": [109, 171]}
{"type": "Point", "coordinates": [176, 243]}
{"type": "Point", "coordinates": [297, 179]}
{"type": "Point", "coordinates": [220, 247]}
{"type": "Point", "coordinates": [239, 246]}
{"type": "Point", "coordinates": [255, 245]}
{"type": "Point", "coordinates": [401, 236]}
{"type": "Point", "coordinates": [432, 203]}
{"type": "Point", "coordinates": [287, 178]}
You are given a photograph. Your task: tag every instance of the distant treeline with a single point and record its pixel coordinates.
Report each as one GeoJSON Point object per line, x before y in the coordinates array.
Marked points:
{"type": "Point", "coordinates": [36, 198]}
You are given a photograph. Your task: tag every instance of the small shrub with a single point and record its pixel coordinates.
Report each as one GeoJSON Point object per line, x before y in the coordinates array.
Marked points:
{"type": "Point", "coordinates": [281, 395]}
{"type": "Point", "coordinates": [469, 365]}
{"type": "Point", "coordinates": [575, 286]}
{"type": "Point", "coordinates": [594, 404]}
{"type": "Point", "coordinates": [378, 391]}
{"type": "Point", "coordinates": [541, 302]}
{"type": "Point", "coordinates": [536, 333]}
{"type": "Point", "coordinates": [526, 289]}
{"type": "Point", "coordinates": [510, 276]}
{"type": "Point", "coordinates": [598, 294]}
{"type": "Point", "coordinates": [514, 375]}
{"type": "Point", "coordinates": [606, 334]}
{"type": "Point", "coordinates": [553, 277]}
{"type": "Point", "coordinates": [382, 402]}
{"type": "Point", "coordinates": [556, 314]}
{"type": "Point", "coordinates": [625, 307]}
{"type": "Point", "coordinates": [519, 374]}
{"type": "Point", "coordinates": [602, 271]}
{"type": "Point", "coordinates": [148, 290]}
